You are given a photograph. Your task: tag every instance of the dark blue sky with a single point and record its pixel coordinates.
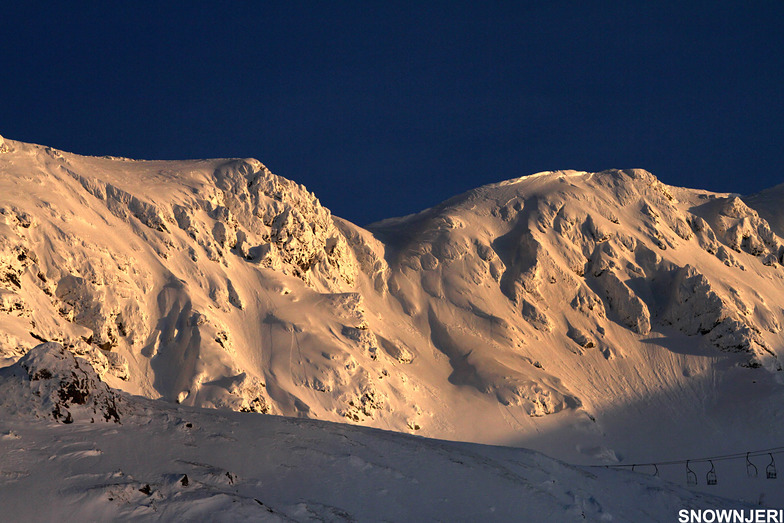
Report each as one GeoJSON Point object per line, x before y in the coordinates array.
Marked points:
{"type": "Point", "coordinates": [383, 109]}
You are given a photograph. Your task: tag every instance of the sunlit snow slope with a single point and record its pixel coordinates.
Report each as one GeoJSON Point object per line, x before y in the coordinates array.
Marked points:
{"type": "Point", "coordinates": [600, 317]}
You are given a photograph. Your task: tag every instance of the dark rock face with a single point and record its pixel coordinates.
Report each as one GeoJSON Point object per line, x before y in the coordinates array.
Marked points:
{"type": "Point", "coordinates": [63, 386]}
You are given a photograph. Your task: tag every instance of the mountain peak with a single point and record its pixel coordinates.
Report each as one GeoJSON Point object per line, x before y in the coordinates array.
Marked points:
{"type": "Point", "coordinates": [565, 297]}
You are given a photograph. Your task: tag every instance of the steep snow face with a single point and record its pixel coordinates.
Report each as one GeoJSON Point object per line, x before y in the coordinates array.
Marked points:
{"type": "Point", "coordinates": [565, 259]}
{"type": "Point", "coordinates": [572, 312]}
{"type": "Point", "coordinates": [768, 204]}
{"type": "Point", "coordinates": [158, 264]}
{"type": "Point", "coordinates": [619, 247]}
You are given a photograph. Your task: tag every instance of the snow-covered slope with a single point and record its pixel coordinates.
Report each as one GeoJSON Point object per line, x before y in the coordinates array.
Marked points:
{"type": "Point", "coordinates": [768, 204]}
{"type": "Point", "coordinates": [599, 317]}
{"type": "Point", "coordinates": [157, 461]}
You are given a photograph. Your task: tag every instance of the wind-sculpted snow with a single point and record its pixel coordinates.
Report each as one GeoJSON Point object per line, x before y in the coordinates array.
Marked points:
{"type": "Point", "coordinates": [768, 206]}
{"type": "Point", "coordinates": [4, 147]}
{"type": "Point", "coordinates": [137, 258]}
{"type": "Point", "coordinates": [547, 292]}
{"type": "Point", "coordinates": [247, 211]}
{"type": "Point", "coordinates": [618, 246]}
{"type": "Point", "coordinates": [556, 300]}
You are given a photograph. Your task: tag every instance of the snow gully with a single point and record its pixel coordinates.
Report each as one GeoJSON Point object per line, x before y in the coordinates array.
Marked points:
{"type": "Point", "coordinates": [731, 516]}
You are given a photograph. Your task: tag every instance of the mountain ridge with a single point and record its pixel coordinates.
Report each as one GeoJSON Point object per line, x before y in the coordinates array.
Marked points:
{"type": "Point", "coordinates": [563, 302]}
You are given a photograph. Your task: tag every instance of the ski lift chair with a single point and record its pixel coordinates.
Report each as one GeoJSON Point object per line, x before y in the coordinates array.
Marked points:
{"type": "Point", "coordinates": [710, 477]}
{"type": "Point", "coordinates": [770, 470]}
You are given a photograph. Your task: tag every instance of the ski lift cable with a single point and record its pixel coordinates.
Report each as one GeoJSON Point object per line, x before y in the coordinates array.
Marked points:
{"type": "Point", "coordinates": [725, 457]}
{"type": "Point", "coordinates": [757, 453]}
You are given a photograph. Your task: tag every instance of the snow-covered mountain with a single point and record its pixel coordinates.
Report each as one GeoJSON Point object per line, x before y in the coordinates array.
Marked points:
{"type": "Point", "coordinates": [599, 317]}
